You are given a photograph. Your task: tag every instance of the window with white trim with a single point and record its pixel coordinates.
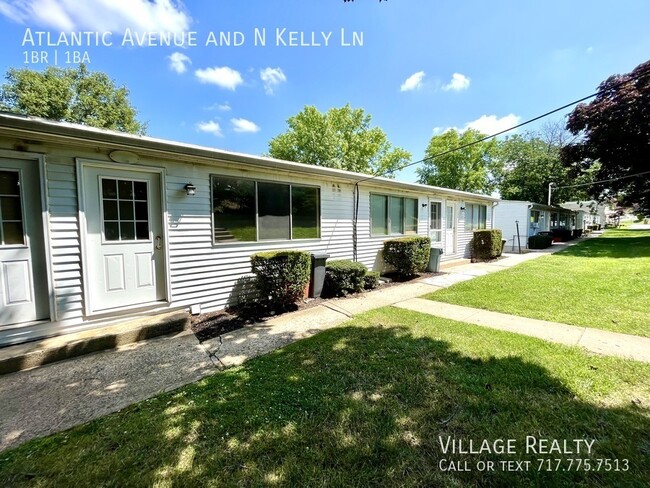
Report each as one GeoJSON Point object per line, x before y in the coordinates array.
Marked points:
{"type": "Point", "coordinates": [248, 210]}
{"type": "Point", "coordinates": [435, 222]}
{"type": "Point", "coordinates": [391, 215]}
{"type": "Point", "coordinates": [475, 216]}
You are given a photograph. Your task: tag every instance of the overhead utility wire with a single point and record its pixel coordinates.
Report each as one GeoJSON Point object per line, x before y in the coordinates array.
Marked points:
{"type": "Point", "coordinates": [496, 134]}
{"type": "Point", "coordinates": [602, 181]}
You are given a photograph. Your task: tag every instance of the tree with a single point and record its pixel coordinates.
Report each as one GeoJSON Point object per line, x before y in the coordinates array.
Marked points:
{"type": "Point", "coordinates": [72, 95]}
{"type": "Point", "coordinates": [475, 168]}
{"type": "Point", "coordinates": [340, 138]}
{"type": "Point", "coordinates": [532, 161]}
{"type": "Point", "coordinates": [615, 132]}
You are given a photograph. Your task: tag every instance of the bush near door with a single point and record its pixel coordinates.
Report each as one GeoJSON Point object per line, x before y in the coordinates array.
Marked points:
{"type": "Point", "coordinates": [486, 244]}
{"type": "Point", "coordinates": [409, 255]}
{"type": "Point", "coordinates": [343, 277]}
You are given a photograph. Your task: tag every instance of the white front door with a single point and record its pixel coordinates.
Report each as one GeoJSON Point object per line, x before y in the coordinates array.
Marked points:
{"type": "Point", "coordinates": [124, 239]}
{"type": "Point", "coordinates": [450, 229]}
{"type": "Point", "coordinates": [23, 270]}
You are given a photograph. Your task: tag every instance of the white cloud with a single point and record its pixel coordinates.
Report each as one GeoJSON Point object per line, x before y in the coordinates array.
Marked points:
{"type": "Point", "coordinates": [272, 77]}
{"type": "Point", "coordinates": [590, 49]}
{"type": "Point", "coordinates": [458, 82]}
{"type": "Point", "coordinates": [224, 107]}
{"type": "Point", "coordinates": [491, 124]}
{"type": "Point", "coordinates": [177, 62]}
{"type": "Point", "coordinates": [223, 76]}
{"type": "Point", "coordinates": [244, 126]}
{"type": "Point", "coordinates": [210, 127]}
{"type": "Point", "coordinates": [485, 124]}
{"type": "Point", "coordinates": [100, 15]}
{"type": "Point", "coordinates": [413, 82]}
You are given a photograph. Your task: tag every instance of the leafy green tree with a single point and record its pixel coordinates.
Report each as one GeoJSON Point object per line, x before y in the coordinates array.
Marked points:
{"type": "Point", "coordinates": [72, 95]}
{"type": "Point", "coordinates": [475, 168]}
{"type": "Point", "coordinates": [532, 161]}
{"type": "Point", "coordinates": [339, 138]}
{"type": "Point", "coordinates": [614, 130]}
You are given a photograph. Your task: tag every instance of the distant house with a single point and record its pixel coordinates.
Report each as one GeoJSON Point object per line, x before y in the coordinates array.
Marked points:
{"type": "Point", "coordinates": [519, 220]}
{"type": "Point", "coordinates": [98, 225]}
{"type": "Point", "coordinates": [589, 213]}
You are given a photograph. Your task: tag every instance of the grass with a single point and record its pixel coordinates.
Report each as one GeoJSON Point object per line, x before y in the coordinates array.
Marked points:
{"type": "Point", "coordinates": [364, 404]}
{"type": "Point", "coordinates": [600, 282]}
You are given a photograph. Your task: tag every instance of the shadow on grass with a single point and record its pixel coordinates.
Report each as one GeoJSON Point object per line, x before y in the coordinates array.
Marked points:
{"type": "Point", "coordinates": [615, 244]}
{"type": "Point", "coordinates": [353, 406]}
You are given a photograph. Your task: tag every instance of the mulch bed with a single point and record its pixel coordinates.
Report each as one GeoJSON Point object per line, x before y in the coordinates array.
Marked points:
{"type": "Point", "coordinates": [214, 324]}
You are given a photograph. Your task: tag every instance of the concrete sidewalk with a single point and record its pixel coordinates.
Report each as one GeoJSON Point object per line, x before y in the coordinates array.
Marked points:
{"type": "Point", "coordinates": [594, 340]}
{"type": "Point", "coordinates": [61, 395]}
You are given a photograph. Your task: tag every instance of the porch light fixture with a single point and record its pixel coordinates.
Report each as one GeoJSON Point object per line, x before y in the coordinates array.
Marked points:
{"type": "Point", "coordinates": [424, 205]}
{"type": "Point", "coordinates": [190, 189]}
{"type": "Point", "coordinates": [462, 209]}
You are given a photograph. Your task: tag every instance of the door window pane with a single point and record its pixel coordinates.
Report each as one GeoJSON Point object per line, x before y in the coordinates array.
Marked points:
{"type": "Point", "coordinates": [450, 218]}
{"type": "Point", "coordinates": [379, 214]}
{"type": "Point", "coordinates": [11, 216]}
{"type": "Point", "coordinates": [410, 216]}
{"type": "Point", "coordinates": [396, 212]}
{"type": "Point", "coordinates": [435, 223]}
{"type": "Point", "coordinates": [273, 211]}
{"type": "Point", "coordinates": [119, 207]}
{"type": "Point", "coordinates": [305, 212]}
{"type": "Point", "coordinates": [233, 207]}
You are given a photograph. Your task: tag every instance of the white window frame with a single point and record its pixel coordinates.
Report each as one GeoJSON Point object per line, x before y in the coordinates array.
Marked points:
{"type": "Point", "coordinates": [388, 220]}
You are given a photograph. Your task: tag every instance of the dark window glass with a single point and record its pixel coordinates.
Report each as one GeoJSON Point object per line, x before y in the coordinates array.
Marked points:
{"type": "Point", "coordinates": [142, 230]}
{"type": "Point", "coordinates": [127, 231]}
{"type": "Point", "coordinates": [125, 189]}
{"type": "Point", "coordinates": [12, 233]}
{"type": "Point", "coordinates": [110, 210]}
{"type": "Point", "coordinates": [396, 214]}
{"type": "Point", "coordinates": [410, 216]}
{"type": "Point", "coordinates": [126, 210]}
{"type": "Point", "coordinates": [112, 231]}
{"type": "Point", "coordinates": [273, 210]}
{"type": "Point", "coordinates": [9, 183]}
{"type": "Point", "coordinates": [10, 208]}
{"type": "Point", "coordinates": [305, 210]}
{"type": "Point", "coordinates": [379, 214]}
{"type": "Point", "coordinates": [233, 206]}
{"type": "Point", "coordinates": [141, 211]}
{"type": "Point", "coordinates": [109, 188]}
{"type": "Point", "coordinates": [140, 190]}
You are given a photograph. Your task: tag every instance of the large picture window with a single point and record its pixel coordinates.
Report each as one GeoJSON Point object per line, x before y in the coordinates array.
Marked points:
{"type": "Point", "coordinates": [393, 215]}
{"type": "Point", "coordinates": [475, 216]}
{"type": "Point", "coordinates": [248, 210]}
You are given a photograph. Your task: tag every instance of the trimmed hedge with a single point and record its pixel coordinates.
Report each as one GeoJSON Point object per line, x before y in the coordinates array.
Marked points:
{"type": "Point", "coordinates": [371, 280]}
{"type": "Point", "coordinates": [409, 255]}
{"type": "Point", "coordinates": [486, 243]}
{"type": "Point", "coordinates": [540, 242]}
{"type": "Point", "coordinates": [563, 235]}
{"type": "Point", "coordinates": [281, 276]}
{"type": "Point", "coordinates": [342, 277]}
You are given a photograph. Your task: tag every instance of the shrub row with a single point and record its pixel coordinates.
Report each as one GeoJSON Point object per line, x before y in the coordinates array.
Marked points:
{"type": "Point", "coordinates": [539, 241]}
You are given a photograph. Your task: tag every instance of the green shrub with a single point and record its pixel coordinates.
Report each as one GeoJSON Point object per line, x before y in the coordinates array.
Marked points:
{"type": "Point", "coordinates": [540, 242]}
{"type": "Point", "coordinates": [281, 277]}
{"type": "Point", "coordinates": [409, 255]}
{"type": "Point", "coordinates": [371, 280]}
{"type": "Point", "coordinates": [486, 243]}
{"type": "Point", "coordinates": [343, 276]}
{"type": "Point", "coordinates": [640, 217]}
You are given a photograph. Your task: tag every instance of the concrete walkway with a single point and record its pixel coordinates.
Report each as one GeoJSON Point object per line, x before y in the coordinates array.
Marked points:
{"type": "Point", "coordinates": [594, 340]}
{"type": "Point", "coordinates": [61, 395]}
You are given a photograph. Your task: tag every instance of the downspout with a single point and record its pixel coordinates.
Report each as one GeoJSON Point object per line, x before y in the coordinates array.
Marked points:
{"type": "Point", "coordinates": [494, 206]}
{"type": "Point", "coordinates": [355, 217]}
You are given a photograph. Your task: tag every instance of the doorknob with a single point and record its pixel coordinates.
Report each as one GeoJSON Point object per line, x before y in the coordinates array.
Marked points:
{"type": "Point", "coordinates": [158, 242]}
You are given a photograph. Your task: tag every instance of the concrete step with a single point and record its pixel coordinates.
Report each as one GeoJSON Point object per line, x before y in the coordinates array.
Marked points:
{"type": "Point", "coordinates": [38, 353]}
{"type": "Point", "coordinates": [453, 262]}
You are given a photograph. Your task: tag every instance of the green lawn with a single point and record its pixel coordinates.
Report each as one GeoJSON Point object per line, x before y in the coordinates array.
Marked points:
{"type": "Point", "coordinates": [364, 404]}
{"type": "Point", "coordinates": [600, 282]}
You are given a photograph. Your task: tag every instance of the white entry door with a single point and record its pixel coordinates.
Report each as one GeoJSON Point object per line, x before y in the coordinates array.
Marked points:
{"type": "Point", "coordinates": [124, 239]}
{"type": "Point", "coordinates": [450, 228]}
{"type": "Point", "coordinates": [23, 270]}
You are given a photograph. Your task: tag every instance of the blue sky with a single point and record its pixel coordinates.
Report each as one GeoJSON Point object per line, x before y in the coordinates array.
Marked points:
{"type": "Point", "coordinates": [424, 66]}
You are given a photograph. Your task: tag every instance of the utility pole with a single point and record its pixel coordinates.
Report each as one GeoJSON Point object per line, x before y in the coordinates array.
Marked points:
{"type": "Point", "coordinates": [550, 189]}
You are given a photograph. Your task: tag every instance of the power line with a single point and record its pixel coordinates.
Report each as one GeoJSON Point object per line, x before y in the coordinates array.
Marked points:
{"type": "Point", "coordinates": [602, 181]}
{"type": "Point", "coordinates": [529, 121]}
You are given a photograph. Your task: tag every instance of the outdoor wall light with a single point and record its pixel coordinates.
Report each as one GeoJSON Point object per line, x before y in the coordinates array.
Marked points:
{"type": "Point", "coordinates": [462, 209]}
{"type": "Point", "coordinates": [190, 189]}
{"type": "Point", "coordinates": [424, 205]}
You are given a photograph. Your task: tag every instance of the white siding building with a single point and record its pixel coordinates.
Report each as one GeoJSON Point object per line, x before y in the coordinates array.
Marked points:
{"type": "Point", "coordinates": [98, 225]}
